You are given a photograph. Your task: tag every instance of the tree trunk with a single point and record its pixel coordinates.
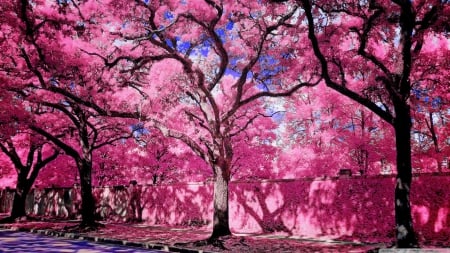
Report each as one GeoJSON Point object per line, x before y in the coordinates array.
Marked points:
{"type": "Point", "coordinates": [87, 199]}
{"type": "Point", "coordinates": [403, 219]}
{"type": "Point", "coordinates": [20, 196]}
{"type": "Point", "coordinates": [221, 225]}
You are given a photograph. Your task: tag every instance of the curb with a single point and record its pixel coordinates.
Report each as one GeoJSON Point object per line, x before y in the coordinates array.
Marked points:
{"type": "Point", "coordinates": [144, 245]}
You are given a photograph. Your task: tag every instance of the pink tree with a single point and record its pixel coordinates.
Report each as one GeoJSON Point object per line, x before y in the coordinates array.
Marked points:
{"type": "Point", "coordinates": [375, 52]}
{"type": "Point", "coordinates": [254, 159]}
{"type": "Point", "coordinates": [166, 160]}
{"type": "Point", "coordinates": [206, 69]}
{"type": "Point", "coordinates": [27, 152]}
{"type": "Point", "coordinates": [90, 132]}
{"type": "Point", "coordinates": [50, 73]}
{"type": "Point", "coordinates": [151, 159]}
{"type": "Point", "coordinates": [430, 129]}
{"type": "Point", "coordinates": [7, 172]}
{"type": "Point", "coordinates": [331, 133]}
{"type": "Point", "coordinates": [62, 172]}
{"type": "Point", "coordinates": [27, 164]}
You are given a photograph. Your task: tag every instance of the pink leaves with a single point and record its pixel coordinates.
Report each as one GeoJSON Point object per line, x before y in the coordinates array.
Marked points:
{"type": "Point", "coordinates": [193, 64]}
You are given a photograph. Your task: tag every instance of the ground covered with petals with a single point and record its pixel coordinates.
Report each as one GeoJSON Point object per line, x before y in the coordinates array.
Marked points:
{"type": "Point", "coordinates": [190, 237]}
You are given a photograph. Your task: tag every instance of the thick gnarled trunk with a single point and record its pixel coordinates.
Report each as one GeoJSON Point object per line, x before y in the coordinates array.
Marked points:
{"type": "Point", "coordinates": [406, 237]}
{"type": "Point", "coordinates": [23, 186]}
{"type": "Point", "coordinates": [20, 196]}
{"type": "Point", "coordinates": [221, 225]}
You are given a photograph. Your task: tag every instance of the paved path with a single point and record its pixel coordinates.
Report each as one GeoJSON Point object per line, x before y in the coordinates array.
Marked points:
{"type": "Point", "coordinates": [11, 241]}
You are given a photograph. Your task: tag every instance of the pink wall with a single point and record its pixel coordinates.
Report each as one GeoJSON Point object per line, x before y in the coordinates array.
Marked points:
{"type": "Point", "coordinates": [350, 208]}
{"type": "Point", "coordinates": [346, 208]}
{"type": "Point", "coordinates": [361, 208]}
{"type": "Point", "coordinates": [354, 208]}
{"type": "Point", "coordinates": [178, 204]}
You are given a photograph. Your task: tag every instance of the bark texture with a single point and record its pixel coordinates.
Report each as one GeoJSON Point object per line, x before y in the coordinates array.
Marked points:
{"type": "Point", "coordinates": [87, 199]}
{"type": "Point", "coordinates": [221, 225]}
{"type": "Point", "coordinates": [18, 208]}
{"type": "Point", "coordinates": [403, 219]}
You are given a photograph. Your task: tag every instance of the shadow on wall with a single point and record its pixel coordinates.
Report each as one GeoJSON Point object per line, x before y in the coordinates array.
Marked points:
{"type": "Point", "coordinates": [180, 204]}
{"type": "Point", "coordinates": [177, 204]}
{"type": "Point", "coordinates": [53, 202]}
{"type": "Point", "coordinates": [6, 200]}
{"type": "Point", "coordinates": [431, 209]}
{"type": "Point", "coordinates": [357, 209]}
{"type": "Point", "coordinates": [337, 208]}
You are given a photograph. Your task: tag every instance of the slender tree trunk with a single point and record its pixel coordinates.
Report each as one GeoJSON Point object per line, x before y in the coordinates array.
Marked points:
{"type": "Point", "coordinates": [430, 126]}
{"type": "Point", "coordinates": [403, 219]}
{"type": "Point", "coordinates": [87, 199]}
{"type": "Point", "coordinates": [221, 225]}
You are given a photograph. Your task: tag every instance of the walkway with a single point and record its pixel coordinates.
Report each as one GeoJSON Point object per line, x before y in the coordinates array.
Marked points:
{"type": "Point", "coordinates": [11, 241]}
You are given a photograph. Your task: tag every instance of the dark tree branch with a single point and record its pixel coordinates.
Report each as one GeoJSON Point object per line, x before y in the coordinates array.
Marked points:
{"type": "Point", "coordinates": [325, 71]}
{"type": "Point", "coordinates": [267, 94]}
{"type": "Point", "coordinates": [12, 154]}
{"type": "Point", "coordinates": [66, 148]}
{"type": "Point", "coordinates": [180, 136]}
{"type": "Point", "coordinates": [41, 164]}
